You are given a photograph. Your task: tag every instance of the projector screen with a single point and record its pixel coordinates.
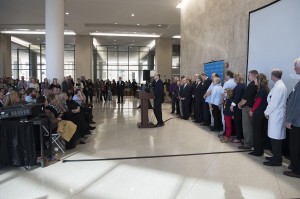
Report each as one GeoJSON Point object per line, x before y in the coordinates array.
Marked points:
{"type": "Point", "coordinates": [274, 40]}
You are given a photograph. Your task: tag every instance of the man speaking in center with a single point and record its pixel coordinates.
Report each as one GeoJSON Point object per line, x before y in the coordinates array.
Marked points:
{"type": "Point", "coordinates": [158, 89]}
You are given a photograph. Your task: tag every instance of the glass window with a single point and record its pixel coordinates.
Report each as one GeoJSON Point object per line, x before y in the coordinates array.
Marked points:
{"type": "Point", "coordinates": [32, 60]}
{"type": "Point", "coordinates": [125, 61]}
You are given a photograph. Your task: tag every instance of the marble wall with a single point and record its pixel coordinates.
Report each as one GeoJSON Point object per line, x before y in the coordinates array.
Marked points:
{"type": "Point", "coordinates": [215, 30]}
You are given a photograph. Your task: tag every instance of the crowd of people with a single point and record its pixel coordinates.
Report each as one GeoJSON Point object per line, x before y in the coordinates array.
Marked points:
{"type": "Point", "coordinates": [256, 115]}
{"type": "Point", "coordinates": [71, 101]}
{"type": "Point", "coordinates": [230, 108]}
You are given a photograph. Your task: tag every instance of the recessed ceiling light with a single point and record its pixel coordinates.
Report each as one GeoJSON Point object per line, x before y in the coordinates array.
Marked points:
{"type": "Point", "coordinates": [115, 40]}
{"type": "Point", "coordinates": [67, 13]}
{"type": "Point", "coordinates": [132, 14]}
{"type": "Point", "coordinates": [134, 32]}
{"type": "Point", "coordinates": [159, 25]}
{"type": "Point", "coordinates": [138, 24]}
{"type": "Point", "coordinates": [123, 35]}
{"type": "Point", "coordinates": [133, 41]}
{"type": "Point", "coordinates": [38, 39]}
{"type": "Point", "coordinates": [116, 23]}
{"type": "Point", "coordinates": [132, 44]}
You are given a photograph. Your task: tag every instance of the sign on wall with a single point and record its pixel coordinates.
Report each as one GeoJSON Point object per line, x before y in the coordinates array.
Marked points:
{"type": "Point", "coordinates": [214, 67]}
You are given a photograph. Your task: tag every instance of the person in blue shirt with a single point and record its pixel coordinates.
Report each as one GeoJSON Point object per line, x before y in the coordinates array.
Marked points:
{"type": "Point", "coordinates": [216, 101]}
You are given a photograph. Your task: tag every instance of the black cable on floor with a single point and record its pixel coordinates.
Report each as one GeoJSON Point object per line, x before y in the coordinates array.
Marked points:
{"type": "Point", "coordinates": [169, 119]}
{"type": "Point", "coordinates": [157, 156]}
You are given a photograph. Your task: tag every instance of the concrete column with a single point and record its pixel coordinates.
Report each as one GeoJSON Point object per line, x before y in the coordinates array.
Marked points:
{"type": "Point", "coordinates": [5, 55]}
{"type": "Point", "coordinates": [55, 39]}
{"type": "Point", "coordinates": [163, 57]}
{"type": "Point", "coordinates": [84, 56]}
{"type": "Point", "coordinates": [33, 63]}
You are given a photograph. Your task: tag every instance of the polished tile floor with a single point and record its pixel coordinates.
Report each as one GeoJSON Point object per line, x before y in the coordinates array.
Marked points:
{"type": "Point", "coordinates": [219, 175]}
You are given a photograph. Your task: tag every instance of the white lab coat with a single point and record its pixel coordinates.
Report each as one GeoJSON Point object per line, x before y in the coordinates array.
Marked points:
{"type": "Point", "coordinates": [276, 111]}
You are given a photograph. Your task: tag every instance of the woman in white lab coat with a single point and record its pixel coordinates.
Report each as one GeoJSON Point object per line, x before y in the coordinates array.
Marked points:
{"type": "Point", "coordinates": [275, 112]}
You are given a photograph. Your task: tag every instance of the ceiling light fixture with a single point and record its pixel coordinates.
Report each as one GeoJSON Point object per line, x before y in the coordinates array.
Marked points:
{"type": "Point", "coordinates": [132, 14]}
{"type": "Point", "coordinates": [116, 23]}
{"type": "Point", "coordinates": [33, 32]}
{"type": "Point", "coordinates": [20, 42]}
{"type": "Point", "coordinates": [67, 13]}
{"type": "Point", "coordinates": [138, 24]}
{"type": "Point", "coordinates": [176, 37]}
{"type": "Point", "coordinates": [123, 35]}
{"type": "Point", "coordinates": [159, 25]}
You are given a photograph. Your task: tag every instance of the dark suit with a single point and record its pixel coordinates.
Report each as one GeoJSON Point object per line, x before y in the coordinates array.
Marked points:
{"type": "Point", "coordinates": [198, 103]}
{"type": "Point", "coordinates": [85, 90]}
{"type": "Point", "coordinates": [120, 90]}
{"type": "Point", "coordinates": [158, 90]}
{"type": "Point", "coordinates": [185, 93]}
{"type": "Point", "coordinates": [205, 106]}
{"type": "Point", "coordinates": [1, 104]}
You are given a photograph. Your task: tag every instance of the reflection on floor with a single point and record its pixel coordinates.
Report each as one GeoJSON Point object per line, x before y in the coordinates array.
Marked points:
{"type": "Point", "coordinates": [224, 175]}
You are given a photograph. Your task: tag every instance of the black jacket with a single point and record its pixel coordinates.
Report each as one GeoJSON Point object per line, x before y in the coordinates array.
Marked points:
{"type": "Point", "coordinates": [204, 86]}
{"type": "Point", "coordinates": [185, 92]}
{"type": "Point", "coordinates": [158, 90]}
{"type": "Point", "coordinates": [120, 87]}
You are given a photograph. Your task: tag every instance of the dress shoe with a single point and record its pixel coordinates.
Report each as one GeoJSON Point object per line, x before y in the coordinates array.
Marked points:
{"type": "Point", "coordinates": [272, 164]}
{"type": "Point", "coordinates": [196, 121]}
{"type": "Point", "coordinates": [81, 142]}
{"type": "Point", "coordinates": [92, 122]}
{"type": "Point", "coordinates": [269, 158]}
{"type": "Point", "coordinates": [204, 124]}
{"type": "Point", "coordinates": [159, 125]}
{"type": "Point", "coordinates": [91, 128]}
{"type": "Point", "coordinates": [214, 130]}
{"type": "Point", "coordinates": [291, 174]}
{"type": "Point", "coordinates": [254, 154]}
{"type": "Point", "coordinates": [172, 112]}
{"type": "Point", "coordinates": [244, 147]}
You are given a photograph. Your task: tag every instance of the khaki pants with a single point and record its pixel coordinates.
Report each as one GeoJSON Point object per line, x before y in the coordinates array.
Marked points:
{"type": "Point", "coordinates": [247, 127]}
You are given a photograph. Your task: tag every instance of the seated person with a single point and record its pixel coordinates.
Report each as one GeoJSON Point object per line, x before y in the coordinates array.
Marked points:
{"type": "Point", "coordinates": [79, 97]}
{"type": "Point", "coordinates": [31, 95]}
{"type": "Point", "coordinates": [71, 115]}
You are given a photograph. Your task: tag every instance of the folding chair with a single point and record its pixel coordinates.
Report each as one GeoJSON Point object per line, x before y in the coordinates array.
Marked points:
{"type": "Point", "coordinates": [58, 142]}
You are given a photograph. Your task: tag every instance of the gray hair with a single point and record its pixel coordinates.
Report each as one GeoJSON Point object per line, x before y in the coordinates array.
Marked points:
{"type": "Point", "coordinates": [297, 62]}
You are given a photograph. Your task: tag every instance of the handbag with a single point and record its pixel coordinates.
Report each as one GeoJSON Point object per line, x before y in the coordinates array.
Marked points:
{"type": "Point", "coordinates": [66, 129]}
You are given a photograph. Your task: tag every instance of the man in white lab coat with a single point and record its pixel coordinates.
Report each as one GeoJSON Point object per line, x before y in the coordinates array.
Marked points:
{"type": "Point", "coordinates": [275, 112]}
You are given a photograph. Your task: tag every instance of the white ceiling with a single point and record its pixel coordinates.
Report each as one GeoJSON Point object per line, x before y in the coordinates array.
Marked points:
{"type": "Point", "coordinates": [88, 16]}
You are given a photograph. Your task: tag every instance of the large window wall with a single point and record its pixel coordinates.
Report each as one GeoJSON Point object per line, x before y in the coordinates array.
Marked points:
{"type": "Point", "coordinates": [31, 61]}
{"type": "Point", "coordinates": [127, 62]}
